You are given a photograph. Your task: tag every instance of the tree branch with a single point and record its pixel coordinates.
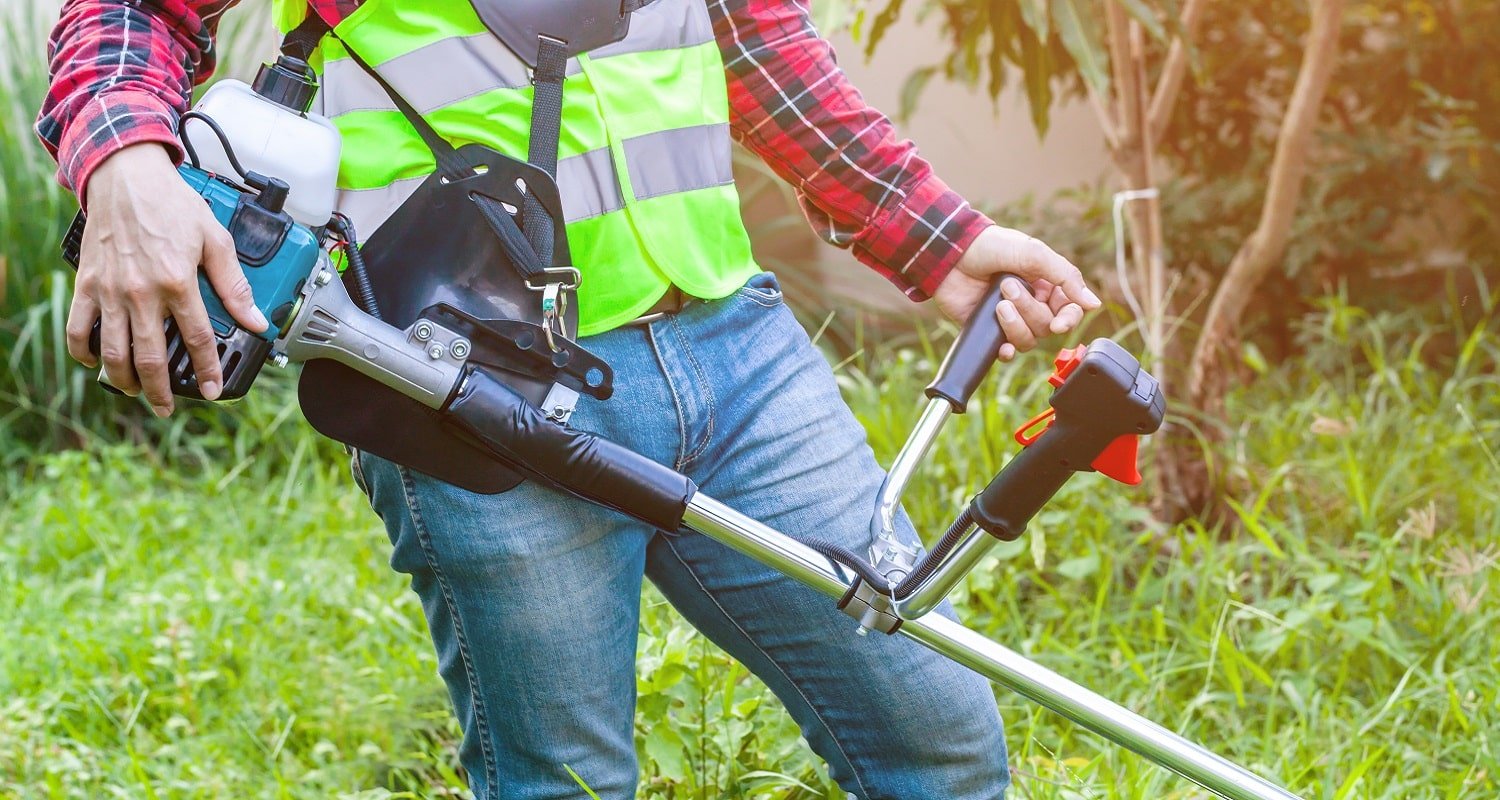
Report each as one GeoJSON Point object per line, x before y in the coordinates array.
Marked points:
{"type": "Point", "coordinates": [1126, 83]}
{"type": "Point", "coordinates": [1268, 243]}
{"type": "Point", "coordinates": [1107, 123]}
{"type": "Point", "coordinates": [1164, 99]}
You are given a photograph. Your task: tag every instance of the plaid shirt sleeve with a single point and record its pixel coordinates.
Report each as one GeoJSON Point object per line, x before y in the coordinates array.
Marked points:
{"type": "Point", "coordinates": [861, 187]}
{"type": "Point", "coordinates": [122, 71]}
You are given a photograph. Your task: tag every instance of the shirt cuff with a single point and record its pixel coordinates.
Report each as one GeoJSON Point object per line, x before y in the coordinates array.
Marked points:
{"type": "Point", "coordinates": [107, 124]}
{"type": "Point", "coordinates": [916, 242]}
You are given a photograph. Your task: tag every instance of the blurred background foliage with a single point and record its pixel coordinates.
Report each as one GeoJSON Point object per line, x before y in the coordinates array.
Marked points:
{"type": "Point", "coordinates": [199, 607]}
{"type": "Point", "coordinates": [1405, 189]}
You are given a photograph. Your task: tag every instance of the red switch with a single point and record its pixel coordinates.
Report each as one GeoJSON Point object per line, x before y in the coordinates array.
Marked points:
{"type": "Point", "coordinates": [1067, 360]}
{"type": "Point", "coordinates": [1118, 461]}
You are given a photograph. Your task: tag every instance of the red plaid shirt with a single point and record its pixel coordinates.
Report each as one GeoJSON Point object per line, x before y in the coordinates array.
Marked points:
{"type": "Point", "coordinates": [122, 70]}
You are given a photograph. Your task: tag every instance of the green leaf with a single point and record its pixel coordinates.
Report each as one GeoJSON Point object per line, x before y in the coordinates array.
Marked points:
{"type": "Point", "coordinates": [1034, 13]}
{"type": "Point", "coordinates": [911, 91]}
{"type": "Point", "coordinates": [664, 749]}
{"type": "Point", "coordinates": [1147, 17]}
{"type": "Point", "coordinates": [1079, 568]}
{"type": "Point", "coordinates": [883, 21]}
{"type": "Point", "coordinates": [1081, 43]}
{"type": "Point", "coordinates": [1036, 64]}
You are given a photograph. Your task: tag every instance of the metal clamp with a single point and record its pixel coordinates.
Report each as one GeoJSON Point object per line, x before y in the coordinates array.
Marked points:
{"type": "Point", "coordinates": [555, 302]}
{"type": "Point", "coordinates": [873, 610]}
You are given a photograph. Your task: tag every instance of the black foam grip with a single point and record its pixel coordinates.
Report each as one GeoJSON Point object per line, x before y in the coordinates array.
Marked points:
{"type": "Point", "coordinates": [578, 462]}
{"type": "Point", "coordinates": [973, 352]}
{"type": "Point", "coordinates": [1029, 480]}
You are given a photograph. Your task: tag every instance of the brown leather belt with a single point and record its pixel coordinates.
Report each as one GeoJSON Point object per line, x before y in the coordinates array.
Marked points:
{"type": "Point", "coordinates": [670, 303]}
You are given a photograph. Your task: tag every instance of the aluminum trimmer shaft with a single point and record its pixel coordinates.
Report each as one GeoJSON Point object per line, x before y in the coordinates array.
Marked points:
{"type": "Point", "coordinates": [1001, 665]}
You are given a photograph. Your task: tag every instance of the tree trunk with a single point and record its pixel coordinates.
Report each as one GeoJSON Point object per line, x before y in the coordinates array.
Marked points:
{"type": "Point", "coordinates": [1196, 487]}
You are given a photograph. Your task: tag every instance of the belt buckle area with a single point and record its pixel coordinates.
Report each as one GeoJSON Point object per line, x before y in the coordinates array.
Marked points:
{"type": "Point", "coordinates": [647, 319]}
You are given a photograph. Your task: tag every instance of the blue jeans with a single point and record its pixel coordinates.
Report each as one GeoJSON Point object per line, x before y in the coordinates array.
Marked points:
{"type": "Point", "coordinates": [533, 598]}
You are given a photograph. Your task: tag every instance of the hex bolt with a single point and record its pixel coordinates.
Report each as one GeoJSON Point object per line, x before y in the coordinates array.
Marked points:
{"type": "Point", "coordinates": [459, 348]}
{"type": "Point", "coordinates": [435, 351]}
{"type": "Point", "coordinates": [279, 359]}
{"type": "Point", "coordinates": [324, 278]}
{"type": "Point", "coordinates": [423, 331]}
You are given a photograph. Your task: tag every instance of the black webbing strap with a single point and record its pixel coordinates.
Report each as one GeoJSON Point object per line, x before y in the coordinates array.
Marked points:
{"type": "Point", "coordinates": [524, 255]}
{"type": "Point", "coordinates": [546, 127]}
{"type": "Point", "coordinates": [520, 251]}
{"type": "Point", "coordinates": [303, 39]}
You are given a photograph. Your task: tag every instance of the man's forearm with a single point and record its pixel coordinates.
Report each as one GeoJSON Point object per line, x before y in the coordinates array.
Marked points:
{"type": "Point", "coordinates": [121, 74]}
{"type": "Point", "coordinates": [862, 187]}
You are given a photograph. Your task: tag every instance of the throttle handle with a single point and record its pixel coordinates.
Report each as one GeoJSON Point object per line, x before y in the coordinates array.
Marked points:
{"type": "Point", "coordinates": [1103, 403]}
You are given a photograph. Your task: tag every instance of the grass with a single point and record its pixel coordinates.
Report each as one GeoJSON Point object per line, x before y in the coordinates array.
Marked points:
{"type": "Point", "coordinates": [219, 620]}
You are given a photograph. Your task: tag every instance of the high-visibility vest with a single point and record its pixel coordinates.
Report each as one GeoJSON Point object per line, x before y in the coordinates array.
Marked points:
{"type": "Point", "coordinates": [643, 159]}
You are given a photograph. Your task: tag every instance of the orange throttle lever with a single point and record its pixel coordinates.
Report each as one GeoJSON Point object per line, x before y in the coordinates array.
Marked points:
{"type": "Point", "coordinates": [1103, 403]}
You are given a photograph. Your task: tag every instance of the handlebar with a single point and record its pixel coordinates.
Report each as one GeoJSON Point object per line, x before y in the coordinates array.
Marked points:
{"type": "Point", "coordinates": [973, 352]}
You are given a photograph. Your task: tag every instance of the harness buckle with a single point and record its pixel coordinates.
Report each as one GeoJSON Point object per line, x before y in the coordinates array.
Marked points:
{"type": "Point", "coordinates": [555, 301]}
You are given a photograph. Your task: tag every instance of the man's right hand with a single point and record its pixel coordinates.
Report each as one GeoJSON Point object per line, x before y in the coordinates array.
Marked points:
{"type": "Point", "coordinates": [147, 234]}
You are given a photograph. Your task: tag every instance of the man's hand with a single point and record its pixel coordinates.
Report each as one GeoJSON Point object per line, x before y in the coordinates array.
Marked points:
{"type": "Point", "coordinates": [1056, 303]}
{"type": "Point", "coordinates": [147, 234]}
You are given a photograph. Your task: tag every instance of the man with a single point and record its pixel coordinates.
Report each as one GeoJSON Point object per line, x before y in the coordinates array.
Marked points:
{"type": "Point", "coordinates": [532, 598]}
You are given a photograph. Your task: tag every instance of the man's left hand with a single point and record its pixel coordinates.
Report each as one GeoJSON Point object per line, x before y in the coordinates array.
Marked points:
{"type": "Point", "coordinates": [1056, 304]}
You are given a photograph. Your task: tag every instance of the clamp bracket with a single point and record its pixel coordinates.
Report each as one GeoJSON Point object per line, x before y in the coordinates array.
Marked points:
{"type": "Point", "coordinates": [873, 610]}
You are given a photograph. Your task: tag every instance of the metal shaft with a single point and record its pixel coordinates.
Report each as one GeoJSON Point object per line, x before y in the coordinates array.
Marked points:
{"type": "Point", "coordinates": [912, 452]}
{"type": "Point", "coordinates": [954, 568]}
{"type": "Point", "coordinates": [999, 664]}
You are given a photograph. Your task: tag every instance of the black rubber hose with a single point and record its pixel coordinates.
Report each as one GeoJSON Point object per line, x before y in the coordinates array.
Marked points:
{"type": "Point", "coordinates": [344, 227]}
{"type": "Point", "coordinates": [867, 572]}
{"type": "Point", "coordinates": [843, 555]}
{"type": "Point", "coordinates": [936, 556]}
{"type": "Point", "coordinates": [187, 144]}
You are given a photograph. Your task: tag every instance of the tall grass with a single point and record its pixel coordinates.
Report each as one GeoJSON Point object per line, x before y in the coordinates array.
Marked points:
{"type": "Point", "coordinates": [48, 401]}
{"type": "Point", "coordinates": [234, 631]}
{"type": "Point", "coordinates": [43, 397]}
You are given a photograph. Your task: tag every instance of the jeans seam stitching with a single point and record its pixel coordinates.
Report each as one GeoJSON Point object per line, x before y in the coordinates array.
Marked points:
{"type": "Point", "coordinates": [661, 360]}
{"type": "Point", "coordinates": [759, 298]}
{"type": "Point", "coordinates": [408, 490]}
{"type": "Point", "coordinates": [708, 433]}
{"type": "Point", "coordinates": [818, 715]}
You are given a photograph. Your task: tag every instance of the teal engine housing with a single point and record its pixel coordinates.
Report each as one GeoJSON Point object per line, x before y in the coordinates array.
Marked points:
{"type": "Point", "coordinates": [275, 253]}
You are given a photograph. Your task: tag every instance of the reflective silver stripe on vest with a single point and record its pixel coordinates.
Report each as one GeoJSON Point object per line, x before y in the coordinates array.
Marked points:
{"type": "Point", "coordinates": [431, 77]}
{"type": "Point", "coordinates": [368, 209]}
{"type": "Point", "coordinates": [586, 181]}
{"type": "Point", "coordinates": [589, 185]}
{"type": "Point", "coordinates": [452, 70]}
{"type": "Point", "coordinates": [679, 160]}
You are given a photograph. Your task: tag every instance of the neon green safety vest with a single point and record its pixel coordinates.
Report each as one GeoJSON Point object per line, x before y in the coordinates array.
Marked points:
{"type": "Point", "coordinates": [643, 160]}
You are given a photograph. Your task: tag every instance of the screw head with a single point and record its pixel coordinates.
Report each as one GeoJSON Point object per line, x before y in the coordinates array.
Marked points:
{"type": "Point", "coordinates": [435, 351]}
{"type": "Point", "coordinates": [459, 348]}
{"type": "Point", "coordinates": [423, 331]}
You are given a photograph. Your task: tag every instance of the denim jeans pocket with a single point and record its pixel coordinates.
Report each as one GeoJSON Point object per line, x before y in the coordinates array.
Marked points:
{"type": "Point", "coordinates": [762, 289]}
